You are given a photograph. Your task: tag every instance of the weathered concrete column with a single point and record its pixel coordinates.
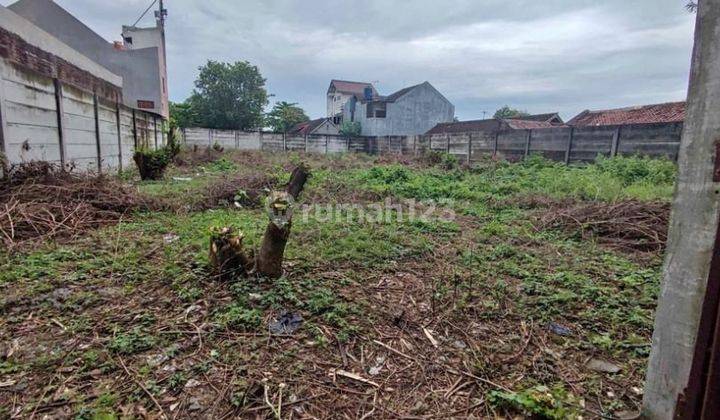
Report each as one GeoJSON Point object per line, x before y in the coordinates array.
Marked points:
{"type": "Point", "coordinates": [693, 226]}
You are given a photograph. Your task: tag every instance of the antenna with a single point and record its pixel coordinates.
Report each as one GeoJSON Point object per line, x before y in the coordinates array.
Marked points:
{"type": "Point", "coordinates": [484, 112]}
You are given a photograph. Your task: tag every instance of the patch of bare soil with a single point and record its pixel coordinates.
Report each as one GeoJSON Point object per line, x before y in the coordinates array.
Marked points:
{"type": "Point", "coordinates": [630, 225]}
{"type": "Point", "coordinates": [38, 201]}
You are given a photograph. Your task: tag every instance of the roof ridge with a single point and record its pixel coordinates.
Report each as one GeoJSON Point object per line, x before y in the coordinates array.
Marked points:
{"type": "Point", "coordinates": [631, 107]}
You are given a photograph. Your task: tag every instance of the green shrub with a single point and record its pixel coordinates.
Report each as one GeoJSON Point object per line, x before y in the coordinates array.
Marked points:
{"type": "Point", "coordinates": [152, 163]}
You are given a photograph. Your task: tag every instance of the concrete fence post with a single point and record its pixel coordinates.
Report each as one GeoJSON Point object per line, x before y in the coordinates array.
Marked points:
{"type": "Point", "coordinates": [469, 149]}
{"type": "Point", "coordinates": [156, 131]}
{"type": "Point", "coordinates": [284, 142]}
{"type": "Point", "coordinates": [59, 108]}
{"type": "Point", "coordinates": [236, 133]}
{"type": "Point", "coordinates": [326, 144]}
{"type": "Point", "coordinates": [615, 142]}
{"type": "Point", "coordinates": [97, 133]}
{"type": "Point", "coordinates": [134, 129]}
{"type": "Point", "coordinates": [684, 366]}
{"type": "Point", "coordinates": [495, 143]}
{"type": "Point", "coordinates": [528, 138]}
{"type": "Point", "coordinates": [119, 136]}
{"type": "Point", "coordinates": [447, 138]}
{"type": "Point", "coordinates": [569, 145]}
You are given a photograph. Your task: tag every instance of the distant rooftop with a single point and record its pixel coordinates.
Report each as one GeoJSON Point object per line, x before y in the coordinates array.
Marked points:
{"type": "Point", "coordinates": [355, 88]}
{"type": "Point", "coordinates": [670, 112]}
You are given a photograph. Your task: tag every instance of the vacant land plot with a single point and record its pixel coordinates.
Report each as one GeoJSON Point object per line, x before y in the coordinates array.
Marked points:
{"type": "Point", "coordinates": [529, 290]}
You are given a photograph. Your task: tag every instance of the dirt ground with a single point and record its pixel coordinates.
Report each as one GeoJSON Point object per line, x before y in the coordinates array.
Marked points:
{"type": "Point", "coordinates": [499, 311]}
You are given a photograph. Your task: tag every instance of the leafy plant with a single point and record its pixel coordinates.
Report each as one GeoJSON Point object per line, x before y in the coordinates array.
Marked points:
{"type": "Point", "coordinates": [539, 401]}
{"type": "Point", "coordinates": [152, 163]}
{"type": "Point", "coordinates": [351, 128]}
{"type": "Point", "coordinates": [131, 342]}
{"type": "Point", "coordinates": [284, 116]}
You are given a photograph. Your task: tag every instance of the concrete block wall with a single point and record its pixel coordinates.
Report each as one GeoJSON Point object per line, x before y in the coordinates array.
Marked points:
{"type": "Point", "coordinates": [59, 106]}
{"type": "Point", "coordinates": [563, 144]}
{"type": "Point", "coordinates": [43, 119]}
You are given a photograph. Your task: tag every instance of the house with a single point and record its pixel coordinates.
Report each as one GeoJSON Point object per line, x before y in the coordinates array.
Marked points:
{"type": "Point", "coordinates": [665, 113]}
{"type": "Point", "coordinates": [318, 126]}
{"type": "Point", "coordinates": [139, 59]}
{"type": "Point", "coordinates": [525, 122]}
{"type": "Point", "coordinates": [409, 111]}
{"type": "Point", "coordinates": [340, 91]}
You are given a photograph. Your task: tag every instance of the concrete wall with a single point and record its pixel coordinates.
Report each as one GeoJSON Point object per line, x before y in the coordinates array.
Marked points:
{"type": "Point", "coordinates": [413, 113]}
{"type": "Point", "coordinates": [564, 144]}
{"type": "Point", "coordinates": [59, 106]}
{"type": "Point", "coordinates": [46, 120]}
{"type": "Point", "coordinates": [141, 69]}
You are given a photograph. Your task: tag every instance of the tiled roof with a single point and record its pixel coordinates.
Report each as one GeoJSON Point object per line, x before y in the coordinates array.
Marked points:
{"type": "Point", "coordinates": [529, 124]}
{"type": "Point", "coordinates": [355, 88]}
{"type": "Point", "coordinates": [307, 127]}
{"type": "Point", "coordinates": [491, 125]}
{"type": "Point", "coordinates": [465, 126]}
{"type": "Point", "coordinates": [538, 117]}
{"type": "Point", "coordinates": [670, 112]}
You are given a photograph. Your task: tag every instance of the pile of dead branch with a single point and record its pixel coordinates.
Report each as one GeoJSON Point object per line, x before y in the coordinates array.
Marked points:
{"type": "Point", "coordinates": [40, 201]}
{"type": "Point", "coordinates": [237, 190]}
{"type": "Point", "coordinates": [196, 156]}
{"type": "Point", "coordinates": [631, 225]}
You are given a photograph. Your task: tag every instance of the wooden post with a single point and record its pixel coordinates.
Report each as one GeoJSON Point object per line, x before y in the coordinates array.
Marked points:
{"type": "Point", "coordinates": [237, 139]}
{"type": "Point", "coordinates": [615, 142]}
{"type": "Point", "coordinates": [569, 146]}
{"type": "Point", "coordinates": [326, 144]}
{"type": "Point", "coordinates": [97, 133]}
{"type": "Point", "coordinates": [347, 144]}
{"type": "Point", "coordinates": [448, 143]}
{"type": "Point", "coordinates": [527, 144]}
{"type": "Point", "coordinates": [119, 136]}
{"type": "Point", "coordinates": [135, 136]}
{"type": "Point", "coordinates": [210, 143]}
{"type": "Point", "coordinates": [60, 120]}
{"type": "Point", "coordinates": [683, 379]}
{"type": "Point", "coordinates": [469, 151]}
{"type": "Point", "coordinates": [306, 143]}
{"type": "Point", "coordinates": [284, 142]}
{"type": "Point", "coordinates": [415, 145]}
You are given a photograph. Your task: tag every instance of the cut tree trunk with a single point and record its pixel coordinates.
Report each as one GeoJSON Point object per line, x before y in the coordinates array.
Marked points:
{"type": "Point", "coordinates": [227, 256]}
{"type": "Point", "coordinates": [280, 207]}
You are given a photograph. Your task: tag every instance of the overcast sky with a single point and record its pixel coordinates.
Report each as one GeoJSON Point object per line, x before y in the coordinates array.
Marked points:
{"type": "Point", "coordinates": [541, 56]}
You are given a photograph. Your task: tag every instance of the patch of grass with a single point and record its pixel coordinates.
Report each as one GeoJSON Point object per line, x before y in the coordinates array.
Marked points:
{"type": "Point", "coordinates": [131, 342]}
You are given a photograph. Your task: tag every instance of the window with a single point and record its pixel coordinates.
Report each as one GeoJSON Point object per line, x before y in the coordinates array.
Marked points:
{"type": "Point", "coordinates": [376, 110]}
{"type": "Point", "coordinates": [128, 40]}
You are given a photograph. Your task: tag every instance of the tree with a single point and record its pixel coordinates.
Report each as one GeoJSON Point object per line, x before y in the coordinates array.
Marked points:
{"type": "Point", "coordinates": [350, 129]}
{"type": "Point", "coordinates": [691, 6]}
{"type": "Point", "coordinates": [183, 115]}
{"type": "Point", "coordinates": [284, 116]}
{"type": "Point", "coordinates": [229, 96]}
{"type": "Point", "coordinates": [507, 112]}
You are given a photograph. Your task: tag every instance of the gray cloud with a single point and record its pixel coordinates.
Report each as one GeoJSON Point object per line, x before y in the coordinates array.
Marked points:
{"type": "Point", "coordinates": [551, 55]}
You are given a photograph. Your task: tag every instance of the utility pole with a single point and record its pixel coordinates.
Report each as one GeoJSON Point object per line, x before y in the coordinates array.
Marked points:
{"type": "Point", "coordinates": [683, 379]}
